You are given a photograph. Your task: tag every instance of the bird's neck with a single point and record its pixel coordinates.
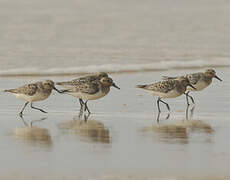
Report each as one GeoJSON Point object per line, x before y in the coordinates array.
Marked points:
{"type": "Point", "coordinates": [181, 88]}
{"type": "Point", "coordinates": [105, 89]}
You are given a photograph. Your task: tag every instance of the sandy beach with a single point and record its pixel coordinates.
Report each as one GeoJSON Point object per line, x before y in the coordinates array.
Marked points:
{"type": "Point", "coordinates": [121, 139]}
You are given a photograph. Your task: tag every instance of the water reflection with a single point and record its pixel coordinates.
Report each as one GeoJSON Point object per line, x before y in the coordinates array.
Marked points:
{"type": "Point", "coordinates": [180, 131]}
{"type": "Point", "coordinates": [32, 134]}
{"type": "Point", "coordinates": [158, 117]}
{"type": "Point", "coordinates": [90, 129]}
{"type": "Point", "coordinates": [194, 125]}
{"type": "Point", "coordinates": [189, 112]}
{"type": "Point", "coordinates": [169, 133]}
{"type": "Point", "coordinates": [81, 115]}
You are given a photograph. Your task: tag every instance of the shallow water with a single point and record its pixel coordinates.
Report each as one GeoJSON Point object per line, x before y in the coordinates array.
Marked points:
{"type": "Point", "coordinates": [121, 139]}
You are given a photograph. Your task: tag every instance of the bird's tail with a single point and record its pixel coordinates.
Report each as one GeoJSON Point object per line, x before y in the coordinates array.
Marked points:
{"type": "Point", "coordinates": [11, 90]}
{"type": "Point", "coordinates": [62, 83]}
{"type": "Point", "coordinates": [168, 78]}
{"type": "Point", "coordinates": [141, 86]}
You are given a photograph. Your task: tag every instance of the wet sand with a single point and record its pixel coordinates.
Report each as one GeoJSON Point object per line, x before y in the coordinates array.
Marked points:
{"type": "Point", "coordinates": [121, 139]}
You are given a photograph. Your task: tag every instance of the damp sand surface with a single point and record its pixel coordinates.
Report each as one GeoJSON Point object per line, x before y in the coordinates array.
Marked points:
{"type": "Point", "coordinates": [121, 138]}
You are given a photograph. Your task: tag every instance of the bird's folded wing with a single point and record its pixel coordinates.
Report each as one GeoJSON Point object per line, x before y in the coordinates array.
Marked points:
{"type": "Point", "coordinates": [29, 89]}
{"type": "Point", "coordinates": [163, 86]}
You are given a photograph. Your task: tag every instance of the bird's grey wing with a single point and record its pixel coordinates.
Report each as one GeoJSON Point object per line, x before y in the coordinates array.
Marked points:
{"type": "Point", "coordinates": [85, 79]}
{"type": "Point", "coordinates": [194, 78]}
{"type": "Point", "coordinates": [78, 81]}
{"type": "Point", "coordinates": [163, 86]}
{"type": "Point", "coordinates": [29, 89]}
{"type": "Point", "coordinates": [89, 88]}
{"type": "Point", "coordinates": [65, 83]}
{"type": "Point", "coordinates": [170, 77]}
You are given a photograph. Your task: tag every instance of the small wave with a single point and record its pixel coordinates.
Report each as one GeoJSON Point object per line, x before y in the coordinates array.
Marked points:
{"type": "Point", "coordinates": [116, 68]}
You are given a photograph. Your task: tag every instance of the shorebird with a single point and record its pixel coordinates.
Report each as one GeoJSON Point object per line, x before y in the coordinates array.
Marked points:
{"type": "Point", "coordinates": [38, 91]}
{"type": "Point", "coordinates": [82, 80]}
{"type": "Point", "coordinates": [199, 80]}
{"type": "Point", "coordinates": [90, 88]}
{"type": "Point", "coordinates": [167, 89]}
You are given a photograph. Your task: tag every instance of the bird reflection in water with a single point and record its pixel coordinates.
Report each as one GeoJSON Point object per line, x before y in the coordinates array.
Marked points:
{"type": "Point", "coordinates": [189, 115]}
{"type": "Point", "coordinates": [33, 134]}
{"type": "Point", "coordinates": [195, 125]}
{"type": "Point", "coordinates": [89, 129]}
{"type": "Point", "coordinates": [81, 113]}
{"type": "Point", "coordinates": [158, 117]}
{"type": "Point", "coordinates": [169, 133]}
{"type": "Point", "coordinates": [179, 131]}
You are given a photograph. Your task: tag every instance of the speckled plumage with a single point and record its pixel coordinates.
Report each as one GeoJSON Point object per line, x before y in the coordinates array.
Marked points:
{"type": "Point", "coordinates": [28, 89]}
{"type": "Point", "coordinates": [33, 92]}
{"type": "Point", "coordinates": [170, 88]}
{"type": "Point", "coordinates": [163, 86]}
{"type": "Point", "coordinates": [85, 79]}
{"type": "Point", "coordinates": [88, 88]}
{"type": "Point", "coordinates": [199, 80]}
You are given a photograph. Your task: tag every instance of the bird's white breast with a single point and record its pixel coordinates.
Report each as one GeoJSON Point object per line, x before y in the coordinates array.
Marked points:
{"type": "Point", "coordinates": [171, 94]}
{"type": "Point", "coordinates": [200, 85]}
{"type": "Point", "coordinates": [87, 96]}
{"type": "Point", "coordinates": [35, 97]}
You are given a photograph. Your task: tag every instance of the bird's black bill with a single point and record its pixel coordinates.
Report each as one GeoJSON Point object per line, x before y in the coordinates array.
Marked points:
{"type": "Point", "coordinates": [60, 91]}
{"type": "Point", "coordinates": [192, 86]}
{"type": "Point", "coordinates": [218, 78]}
{"type": "Point", "coordinates": [114, 85]}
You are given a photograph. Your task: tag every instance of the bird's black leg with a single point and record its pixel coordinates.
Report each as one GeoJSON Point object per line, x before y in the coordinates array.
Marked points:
{"type": "Point", "coordinates": [31, 105]}
{"type": "Point", "coordinates": [86, 107]}
{"type": "Point", "coordinates": [191, 99]}
{"type": "Point", "coordinates": [158, 117]}
{"type": "Point", "coordinates": [81, 103]}
{"type": "Point", "coordinates": [21, 113]}
{"type": "Point", "coordinates": [165, 104]}
{"type": "Point", "coordinates": [187, 113]}
{"type": "Point", "coordinates": [187, 95]}
{"type": "Point", "coordinates": [81, 108]}
{"type": "Point", "coordinates": [158, 106]}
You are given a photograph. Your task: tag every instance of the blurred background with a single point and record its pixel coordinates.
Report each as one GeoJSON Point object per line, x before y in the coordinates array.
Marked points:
{"type": "Point", "coordinates": [56, 37]}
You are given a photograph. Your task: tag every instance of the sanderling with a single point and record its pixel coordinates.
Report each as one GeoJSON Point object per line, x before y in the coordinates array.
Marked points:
{"type": "Point", "coordinates": [199, 80]}
{"type": "Point", "coordinates": [82, 80]}
{"type": "Point", "coordinates": [167, 89]}
{"type": "Point", "coordinates": [38, 91]}
{"type": "Point", "coordinates": [89, 90]}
